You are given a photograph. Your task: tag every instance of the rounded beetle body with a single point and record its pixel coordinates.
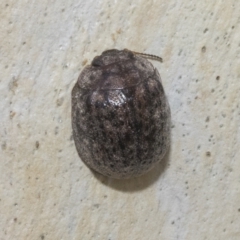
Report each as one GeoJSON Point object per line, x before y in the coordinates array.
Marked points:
{"type": "Point", "coordinates": [120, 115]}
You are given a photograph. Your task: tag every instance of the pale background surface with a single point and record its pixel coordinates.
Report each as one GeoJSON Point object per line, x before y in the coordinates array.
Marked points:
{"type": "Point", "coordinates": [46, 192]}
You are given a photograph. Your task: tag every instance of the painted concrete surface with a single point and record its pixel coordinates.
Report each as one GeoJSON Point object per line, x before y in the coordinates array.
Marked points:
{"type": "Point", "coordinates": [46, 192]}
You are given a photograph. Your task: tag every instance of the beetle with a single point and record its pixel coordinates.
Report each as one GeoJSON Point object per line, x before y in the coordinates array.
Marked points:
{"type": "Point", "coordinates": [120, 114]}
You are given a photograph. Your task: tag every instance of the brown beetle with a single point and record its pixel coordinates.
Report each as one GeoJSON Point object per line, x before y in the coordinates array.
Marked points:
{"type": "Point", "coordinates": [120, 114]}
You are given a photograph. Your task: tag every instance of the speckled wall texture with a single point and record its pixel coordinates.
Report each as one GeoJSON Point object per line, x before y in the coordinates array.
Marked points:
{"type": "Point", "coordinates": [46, 192]}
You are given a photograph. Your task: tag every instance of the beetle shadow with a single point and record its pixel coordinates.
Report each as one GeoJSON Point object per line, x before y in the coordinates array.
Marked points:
{"type": "Point", "coordinates": [139, 183]}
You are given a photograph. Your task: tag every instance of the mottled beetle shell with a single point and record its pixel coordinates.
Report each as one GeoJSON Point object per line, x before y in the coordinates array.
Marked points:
{"type": "Point", "coordinates": [120, 115]}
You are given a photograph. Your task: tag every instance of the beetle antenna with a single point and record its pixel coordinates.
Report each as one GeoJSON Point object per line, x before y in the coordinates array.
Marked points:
{"type": "Point", "coordinates": [149, 56]}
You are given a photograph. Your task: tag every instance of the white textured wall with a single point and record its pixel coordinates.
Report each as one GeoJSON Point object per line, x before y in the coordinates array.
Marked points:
{"type": "Point", "coordinates": [46, 192]}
